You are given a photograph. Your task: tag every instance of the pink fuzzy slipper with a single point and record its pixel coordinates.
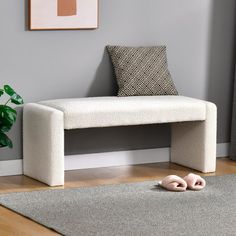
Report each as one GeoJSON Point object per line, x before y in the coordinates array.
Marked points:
{"type": "Point", "coordinates": [195, 182]}
{"type": "Point", "coordinates": [174, 183]}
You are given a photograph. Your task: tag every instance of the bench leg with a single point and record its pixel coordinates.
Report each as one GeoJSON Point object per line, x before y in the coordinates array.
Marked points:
{"type": "Point", "coordinates": [193, 144]}
{"type": "Point", "coordinates": [43, 148]}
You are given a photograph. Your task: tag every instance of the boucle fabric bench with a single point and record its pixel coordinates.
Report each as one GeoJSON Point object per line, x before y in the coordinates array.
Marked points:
{"type": "Point", "coordinates": [193, 138]}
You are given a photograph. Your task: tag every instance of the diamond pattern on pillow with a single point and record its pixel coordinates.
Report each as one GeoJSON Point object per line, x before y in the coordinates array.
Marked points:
{"type": "Point", "coordinates": [141, 71]}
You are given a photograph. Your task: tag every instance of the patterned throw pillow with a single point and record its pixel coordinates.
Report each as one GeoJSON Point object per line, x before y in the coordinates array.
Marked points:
{"type": "Point", "coordinates": [141, 71]}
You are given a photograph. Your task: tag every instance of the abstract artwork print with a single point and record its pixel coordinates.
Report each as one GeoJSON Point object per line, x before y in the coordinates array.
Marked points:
{"type": "Point", "coordinates": [63, 14]}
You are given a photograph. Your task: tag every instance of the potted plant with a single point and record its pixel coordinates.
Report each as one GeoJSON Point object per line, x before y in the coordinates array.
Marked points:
{"type": "Point", "coordinates": [8, 114]}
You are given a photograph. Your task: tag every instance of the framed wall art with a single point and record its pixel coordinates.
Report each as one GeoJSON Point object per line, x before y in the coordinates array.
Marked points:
{"type": "Point", "coordinates": [63, 14]}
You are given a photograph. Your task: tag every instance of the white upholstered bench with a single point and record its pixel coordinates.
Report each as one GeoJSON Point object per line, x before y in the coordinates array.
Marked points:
{"type": "Point", "coordinates": [193, 138]}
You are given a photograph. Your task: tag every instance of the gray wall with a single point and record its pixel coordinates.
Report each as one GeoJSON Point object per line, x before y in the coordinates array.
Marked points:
{"type": "Point", "coordinates": [43, 65]}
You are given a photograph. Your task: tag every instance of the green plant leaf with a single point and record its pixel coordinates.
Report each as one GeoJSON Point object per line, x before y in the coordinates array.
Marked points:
{"type": "Point", "coordinates": [5, 127]}
{"type": "Point", "coordinates": [7, 118]}
{"type": "Point", "coordinates": [5, 141]}
{"type": "Point", "coordinates": [9, 90]}
{"type": "Point", "coordinates": [17, 99]}
{"type": "Point", "coordinates": [7, 115]}
{"type": "Point", "coordinates": [1, 92]}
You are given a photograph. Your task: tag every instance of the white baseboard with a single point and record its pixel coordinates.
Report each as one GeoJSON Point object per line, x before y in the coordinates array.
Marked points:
{"type": "Point", "coordinates": [120, 158]}
{"type": "Point", "coordinates": [11, 167]}
{"type": "Point", "coordinates": [95, 160]}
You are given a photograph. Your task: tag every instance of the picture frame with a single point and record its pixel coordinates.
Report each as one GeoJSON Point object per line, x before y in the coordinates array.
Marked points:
{"type": "Point", "coordinates": [63, 14]}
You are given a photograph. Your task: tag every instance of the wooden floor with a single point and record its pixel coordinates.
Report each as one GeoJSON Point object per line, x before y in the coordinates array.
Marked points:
{"type": "Point", "coordinates": [14, 224]}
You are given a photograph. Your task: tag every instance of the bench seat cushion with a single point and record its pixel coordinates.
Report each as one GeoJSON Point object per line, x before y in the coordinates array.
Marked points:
{"type": "Point", "coordinates": [122, 111]}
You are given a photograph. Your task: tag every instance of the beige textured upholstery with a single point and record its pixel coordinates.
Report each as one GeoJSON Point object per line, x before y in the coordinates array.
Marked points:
{"type": "Point", "coordinates": [134, 110]}
{"type": "Point", "coordinates": [193, 129]}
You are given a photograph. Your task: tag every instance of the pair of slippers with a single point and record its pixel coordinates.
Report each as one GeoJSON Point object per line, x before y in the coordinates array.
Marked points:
{"type": "Point", "coordinates": [190, 181]}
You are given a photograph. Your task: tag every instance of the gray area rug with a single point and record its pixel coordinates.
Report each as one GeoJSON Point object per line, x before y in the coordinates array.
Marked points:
{"type": "Point", "coordinates": [132, 209]}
